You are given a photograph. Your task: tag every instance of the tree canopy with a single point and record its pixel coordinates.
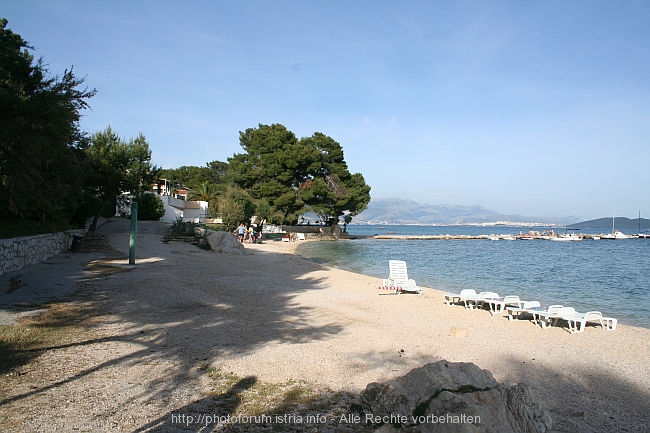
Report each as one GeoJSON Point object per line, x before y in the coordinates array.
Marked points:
{"type": "Point", "coordinates": [50, 170]}
{"type": "Point", "coordinates": [118, 166]}
{"type": "Point", "coordinates": [294, 175]}
{"type": "Point", "coordinates": [40, 140]}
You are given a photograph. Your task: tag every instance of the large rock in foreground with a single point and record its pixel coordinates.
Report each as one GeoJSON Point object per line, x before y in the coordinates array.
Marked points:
{"type": "Point", "coordinates": [452, 397]}
{"type": "Point", "coordinates": [223, 242]}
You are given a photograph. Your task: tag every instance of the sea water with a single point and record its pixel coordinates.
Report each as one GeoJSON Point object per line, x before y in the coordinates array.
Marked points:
{"type": "Point", "coordinates": [611, 276]}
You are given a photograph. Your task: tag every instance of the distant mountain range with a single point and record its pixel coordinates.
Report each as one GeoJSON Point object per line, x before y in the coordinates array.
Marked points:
{"type": "Point", "coordinates": [397, 211]}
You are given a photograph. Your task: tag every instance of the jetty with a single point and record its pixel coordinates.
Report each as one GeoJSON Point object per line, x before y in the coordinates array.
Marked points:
{"type": "Point", "coordinates": [430, 237]}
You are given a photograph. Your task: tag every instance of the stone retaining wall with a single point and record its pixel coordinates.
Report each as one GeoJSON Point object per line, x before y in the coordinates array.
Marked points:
{"type": "Point", "coordinates": [28, 250]}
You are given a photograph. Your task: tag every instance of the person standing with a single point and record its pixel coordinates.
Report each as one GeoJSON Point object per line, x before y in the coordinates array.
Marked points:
{"type": "Point", "coordinates": [241, 231]}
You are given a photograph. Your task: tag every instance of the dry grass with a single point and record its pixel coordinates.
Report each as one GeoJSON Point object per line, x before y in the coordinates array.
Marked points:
{"type": "Point", "coordinates": [61, 324]}
{"type": "Point", "coordinates": [293, 404]}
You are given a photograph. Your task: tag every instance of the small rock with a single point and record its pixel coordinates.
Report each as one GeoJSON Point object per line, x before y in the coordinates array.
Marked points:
{"type": "Point", "coordinates": [457, 332]}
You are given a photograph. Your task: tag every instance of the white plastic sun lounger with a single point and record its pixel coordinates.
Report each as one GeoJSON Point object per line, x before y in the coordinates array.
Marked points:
{"type": "Point", "coordinates": [548, 317]}
{"type": "Point", "coordinates": [482, 299]}
{"type": "Point", "coordinates": [577, 322]}
{"type": "Point", "coordinates": [498, 305]}
{"type": "Point", "coordinates": [525, 308]}
{"type": "Point", "coordinates": [398, 278]}
{"type": "Point", "coordinates": [463, 296]}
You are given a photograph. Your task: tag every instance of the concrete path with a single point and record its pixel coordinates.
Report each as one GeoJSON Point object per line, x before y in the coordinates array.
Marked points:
{"type": "Point", "coordinates": [26, 291]}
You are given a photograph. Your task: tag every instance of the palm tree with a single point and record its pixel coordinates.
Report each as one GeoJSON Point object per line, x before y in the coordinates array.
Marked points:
{"type": "Point", "coordinates": [347, 219]}
{"type": "Point", "coordinates": [205, 192]}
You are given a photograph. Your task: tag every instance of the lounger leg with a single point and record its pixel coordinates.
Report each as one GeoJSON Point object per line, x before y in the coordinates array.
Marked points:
{"type": "Point", "coordinates": [610, 323]}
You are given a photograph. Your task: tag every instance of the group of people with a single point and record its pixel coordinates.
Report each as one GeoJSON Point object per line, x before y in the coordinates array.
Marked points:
{"type": "Point", "coordinates": [247, 234]}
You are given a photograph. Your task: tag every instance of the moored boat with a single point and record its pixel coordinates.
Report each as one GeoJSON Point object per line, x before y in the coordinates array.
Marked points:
{"type": "Point", "coordinates": [567, 237]}
{"type": "Point", "coordinates": [617, 234]}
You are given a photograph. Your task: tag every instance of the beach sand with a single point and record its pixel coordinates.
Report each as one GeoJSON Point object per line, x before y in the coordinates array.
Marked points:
{"type": "Point", "coordinates": [275, 316]}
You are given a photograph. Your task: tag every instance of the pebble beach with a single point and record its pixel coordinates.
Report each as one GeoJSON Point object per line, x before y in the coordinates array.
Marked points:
{"type": "Point", "coordinates": [275, 316]}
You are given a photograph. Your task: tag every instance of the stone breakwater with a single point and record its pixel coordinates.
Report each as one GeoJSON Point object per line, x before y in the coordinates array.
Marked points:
{"type": "Point", "coordinates": [429, 237]}
{"type": "Point", "coordinates": [28, 250]}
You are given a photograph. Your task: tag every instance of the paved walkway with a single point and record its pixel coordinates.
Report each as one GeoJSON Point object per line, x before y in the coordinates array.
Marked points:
{"type": "Point", "coordinates": [25, 291]}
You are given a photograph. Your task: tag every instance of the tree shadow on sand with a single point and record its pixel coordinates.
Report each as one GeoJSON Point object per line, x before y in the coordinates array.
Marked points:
{"type": "Point", "coordinates": [187, 323]}
{"type": "Point", "coordinates": [183, 320]}
{"type": "Point", "coordinates": [250, 406]}
{"type": "Point", "coordinates": [591, 399]}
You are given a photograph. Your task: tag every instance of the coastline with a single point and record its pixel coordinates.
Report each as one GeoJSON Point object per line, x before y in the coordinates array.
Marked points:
{"type": "Point", "coordinates": [275, 316]}
{"type": "Point", "coordinates": [589, 379]}
{"type": "Point", "coordinates": [590, 275]}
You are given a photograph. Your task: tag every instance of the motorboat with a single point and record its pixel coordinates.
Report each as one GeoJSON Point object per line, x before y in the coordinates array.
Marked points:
{"type": "Point", "coordinates": [566, 237]}
{"type": "Point", "coordinates": [617, 234]}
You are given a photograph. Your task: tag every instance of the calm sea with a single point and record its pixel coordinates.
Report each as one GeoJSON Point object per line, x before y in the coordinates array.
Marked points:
{"type": "Point", "coordinates": [603, 275]}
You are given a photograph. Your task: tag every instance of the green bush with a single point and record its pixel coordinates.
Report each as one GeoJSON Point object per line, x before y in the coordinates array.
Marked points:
{"type": "Point", "coordinates": [150, 207]}
{"type": "Point", "coordinates": [178, 227]}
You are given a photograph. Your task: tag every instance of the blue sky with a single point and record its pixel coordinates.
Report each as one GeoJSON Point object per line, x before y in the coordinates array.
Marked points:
{"type": "Point", "coordinates": [539, 108]}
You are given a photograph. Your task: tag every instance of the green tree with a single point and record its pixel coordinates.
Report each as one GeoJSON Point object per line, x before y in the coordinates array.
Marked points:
{"type": "Point", "coordinates": [331, 190]}
{"type": "Point", "coordinates": [189, 176]}
{"type": "Point", "coordinates": [118, 166]}
{"type": "Point", "coordinates": [218, 172]}
{"type": "Point", "coordinates": [236, 207]}
{"type": "Point", "coordinates": [204, 192]}
{"type": "Point", "coordinates": [347, 219]}
{"type": "Point", "coordinates": [41, 158]}
{"type": "Point", "coordinates": [270, 169]}
{"type": "Point", "coordinates": [293, 176]}
{"type": "Point", "coordinates": [150, 207]}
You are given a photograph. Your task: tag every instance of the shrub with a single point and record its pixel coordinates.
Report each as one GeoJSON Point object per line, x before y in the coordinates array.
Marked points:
{"type": "Point", "coordinates": [150, 207]}
{"type": "Point", "coordinates": [177, 227]}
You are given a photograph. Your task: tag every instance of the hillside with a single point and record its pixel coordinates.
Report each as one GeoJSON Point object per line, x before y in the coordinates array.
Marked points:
{"type": "Point", "coordinates": [621, 223]}
{"type": "Point", "coordinates": [403, 211]}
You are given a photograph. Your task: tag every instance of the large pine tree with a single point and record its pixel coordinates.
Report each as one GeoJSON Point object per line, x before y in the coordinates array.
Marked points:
{"type": "Point", "coordinates": [40, 139]}
{"type": "Point", "coordinates": [295, 176]}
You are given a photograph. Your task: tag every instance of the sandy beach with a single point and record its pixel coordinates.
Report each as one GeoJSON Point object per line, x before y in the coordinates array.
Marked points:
{"type": "Point", "coordinates": [275, 316]}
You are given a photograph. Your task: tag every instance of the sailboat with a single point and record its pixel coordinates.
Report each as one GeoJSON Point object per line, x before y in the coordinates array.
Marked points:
{"type": "Point", "coordinates": [641, 235]}
{"type": "Point", "coordinates": [615, 234]}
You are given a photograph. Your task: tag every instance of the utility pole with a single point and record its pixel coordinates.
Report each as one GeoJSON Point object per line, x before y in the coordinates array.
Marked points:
{"type": "Point", "coordinates": [134, 231]}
